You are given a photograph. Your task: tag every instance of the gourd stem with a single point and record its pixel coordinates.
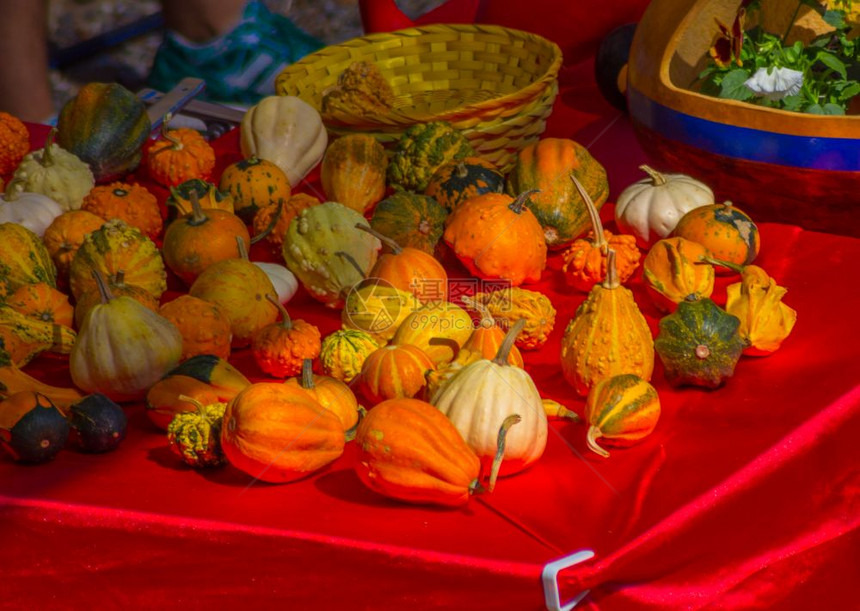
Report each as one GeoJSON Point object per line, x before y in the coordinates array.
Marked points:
{"type": "Point", "coordinates": [508, 343]}
{"type": "Point", "coordinates": [352, 262]}
{"type": "Point", "coordinates": [165, 133]}
{"type": "Point", "coordinates": [727, 264]}
{"type": "Point", "coordinates": [286, 321]}
{"type": "Point", "coordinates": [271, 226]}
{"type": "Point", "coordinates": [48, 157]}
{"type": "Point", "coordinates": [201, 409]}
{"type": "Point", "coordinates": [611, 281]}
{"type": "Point", "coordinates": [104, 290]}
{"type": "Point", "coordinates": [520, 201]}
{"type": "Point", "coordinates": [350, 433]}
{"type": "Point", "coordinates": [243, 250]}
{"type": "Point", "coordinates": [198, 217]}
{"type": "Point", "coordinates": [599, 240]}
{"type": "Point", "coordinates": [487, 320]}
{"type": "Point", "coordinates": [461, 170]}
{"type": "Point", "coordinates": [591, 441]}
{"type": "Point", "coordinates": [394, 246]}
{"type": "Point", "coordinates": [657, 178]}
{"type": "Point", "coordinates": [500, 448]}
{"type": "Point", "coordinates": [119, 277]}
{"type": "Point", "coordinates": [308, 374]}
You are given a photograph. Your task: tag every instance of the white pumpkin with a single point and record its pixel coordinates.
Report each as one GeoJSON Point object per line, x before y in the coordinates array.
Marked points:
{"type": "Point", "coordinates": [32, 210]}
{"type": "Point", "coordinates": [651, 208]}
{"type": "Point", "coordinates": [478, 399]}
{"type": "Point", "coordinates": [285, 282]}
{"type": "Point", "coordinates": [287, 131]}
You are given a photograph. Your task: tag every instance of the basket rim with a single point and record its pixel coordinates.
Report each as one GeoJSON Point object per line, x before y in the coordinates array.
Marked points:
{"type": "Point", "coordinates": [523, 96]}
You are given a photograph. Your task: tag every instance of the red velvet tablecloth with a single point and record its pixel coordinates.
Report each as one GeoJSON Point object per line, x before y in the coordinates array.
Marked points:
{"type": "Point", "coordinates": [744, 497]}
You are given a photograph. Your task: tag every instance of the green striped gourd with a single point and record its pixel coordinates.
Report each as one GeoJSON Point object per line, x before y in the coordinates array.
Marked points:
{"type": "Point", "coordinates": [621, 409]}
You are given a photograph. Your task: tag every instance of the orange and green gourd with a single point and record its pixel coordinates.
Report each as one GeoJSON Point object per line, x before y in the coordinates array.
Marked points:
{"type": "Point", "coordinates": [254, 183]}
{"type": "Point", "coordinates": [458, 181]}
{"type": "Point", "coordinates": [622, 410]}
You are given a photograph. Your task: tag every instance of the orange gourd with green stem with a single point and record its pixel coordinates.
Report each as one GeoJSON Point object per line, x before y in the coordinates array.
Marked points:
{"type": "Point", "coordinates": [178, 155]}
{"type": "Point", "coordinates": [254, 183]}
{"type": "Point", "coordinates": [622, 409]}
{"type": "Point", "coordinates": [333, 394]}
{"type": "Point", "coordinates": [280, 348]}
{"type": "Point", "coordinates": [394, 371]}
{"type": "Point", "coordinates": [676, 269]}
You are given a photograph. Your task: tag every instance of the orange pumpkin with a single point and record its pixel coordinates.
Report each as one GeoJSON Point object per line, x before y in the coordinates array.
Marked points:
{"type": "Point", "coordinates": [280, 348]}
{"type": "Point", "coordinates": [727, 232]}
{"type": "Point", "coordinates": [179, 155]}
{"type": "Point", "coordinates": [394, 371]}
{"type": "Point", "coordinates": [254, 183]}
{"type": "Point", "coordinates": [204, 326]}
{"type": "Point", "coordinates": [65, 235]}
{"type": "Point", "coordinates": [43, 302]}
{"type": "Point", "coordinates": [278, 433]}
{"type": "Point", "coordinates": [134, 204]}
{"type": "Point", "coordinates": [585, 259]}
{"type": "Point", "coordinates": [497, 236]}
{"type": "Point", "coordinates": [676, 269]}
{"type": "Point", "coordinates": [333, 394]}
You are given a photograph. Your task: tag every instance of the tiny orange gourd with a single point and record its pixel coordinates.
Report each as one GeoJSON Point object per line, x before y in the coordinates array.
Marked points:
{"type": "Point", "coordinates": [280, 348]}
{"type": "Point", "coordinates": [132, 203]}
{"type": "Point", "coordinates": [254, 183]}
{"type": "Point", "coordinates": [65, 235]}
{"type": "Point", "coordinates": [178, 155]}
{"type": "Point", "coordinates": [727, 232]}
{"type": "Point", "coordinates": [333, 394]}
{"type": "Point", "coordinates": [394, 371]}
{"type": "Point", "coordinates": [204, 326]}
{"type": "Point", "coordinates": [14, 142]}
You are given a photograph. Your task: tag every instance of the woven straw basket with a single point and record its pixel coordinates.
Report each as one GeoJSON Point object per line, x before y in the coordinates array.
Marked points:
{"type": "Point", "coordinates": [497, 85]}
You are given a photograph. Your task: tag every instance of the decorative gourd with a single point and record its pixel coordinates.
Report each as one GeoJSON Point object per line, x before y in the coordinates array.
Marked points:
{"type": "Point", "coordinates": [279, 348]}
{"type": "Point", "coordinates": [98, 424]}
{"type": "Point", "coordinates": [240, 288]}
{"type": "Point", "coordinates": [123, 347]}
{"type": "Point", "coordinates": [55, 172]}
{"type": "Point", "coordinates": [106, 126]}
{"type": "Point", "coordinates": [343, 352]}
{"type": "Point", "coordinates": [421, 150]}
{"type": "Point", "coordinates": [25, 337]}
{"type": "Point", "coordinates": [676, 269]}
{"type": "Point", "coordinates": [410, 219]}
{"type": "Point", "coordinates": [204, 326]}
{"type": "Point", "coordinates": [274, 220]}
{"type": "Point", "coordinates": [42, 302]}
{"type": "Point", "coordinates": [115, 247]}
{"type": "Point", "coordinates": [409, 451]}
{"type": "Point", "coordinates": [210, 197]}
{"type": "Point", "coordinates": [361, 90]}
{"type": "Point", "coordinates": [651, 208]}
{"type": "Point", "coordinates": [14, 143]}
{"type": "Point", "coordinates": [585, 259]}
{"type": "Point", "coordinates": [353, 171]}
{"type": "Point", "coordinates": [437, 378]}
{"type": "Point", "coordinates": [410, 269]}
{"type": "Point", "coordinates": [510, 304]}
{"type": "Point", "coordinates": [285, 282]}
{"type": "Point", "coordinates": [311, 245]}
{"type": "Point", "coordinates": [24, 259]}
{"type": "Point", "coordinates": [34, 211]}
{"type": "Point", "coordinates": [394, 371]}
{"type": "Point", "coordinates": [253, 184]}
{"type": "Point", "coordinates": [195, 241]}
{"type": "Point", "coordinates": [546, 166]}
{"type": "Point", "coordinates": [214, 371]}
{"type": "Point", "coordinates": [757, 302]}
{"type": "Point", "coordinates": [479, 398]}
{"type": "Point", "coordinates": [333, 394]}
{"type": "Point", "coordinates": [376, 307]}
{"type": "Point", "coordinates": [607, 336]}
{"type": "Point", "coordinates": [727, 232]}
{"type": "Point", "coordinates": [488, 336]}
{"type": "Point", "coordinates": [173, 395]}
{"type": "Point", "coordinates": [178, 155]}
{"type": "Point", "coordinates": [65, 235]}
{"type": "Point", "coordinates": [196, 436]}
{"type": "Point", "coordinates": [13, 380]}
{"type": "Point", "coordinates": [32, 429]}
{"type": "Point", "coordinates": [287, 131]}
{"type": "Point", "coordinates": [458, 181]}
{"type": "Point", "coordinates": [134, 204]}
{"type": "Point", "coordinates": [699, 344]}
{"type": "Point", "coordinates": [439, 328]}
{"type": "Point", "coordinates": [278, 433]}
{"type": "Point", "coordinates": [496, 237]}
{"type": "Point", "coordinates": [118, 286]}
{"type": "Point", "coordinates": [621, 409]}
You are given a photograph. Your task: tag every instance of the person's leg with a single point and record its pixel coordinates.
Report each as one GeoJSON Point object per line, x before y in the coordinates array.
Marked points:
{"type": "Point", "coordinates": [25, 90]}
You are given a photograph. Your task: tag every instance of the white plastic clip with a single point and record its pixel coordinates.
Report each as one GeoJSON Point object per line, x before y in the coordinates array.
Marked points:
{"type": "Point", "coordinates": [550, 580]}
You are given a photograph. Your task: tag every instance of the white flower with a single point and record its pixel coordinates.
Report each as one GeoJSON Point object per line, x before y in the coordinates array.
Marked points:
{"type": "Point", "coordinates": [775, 83]}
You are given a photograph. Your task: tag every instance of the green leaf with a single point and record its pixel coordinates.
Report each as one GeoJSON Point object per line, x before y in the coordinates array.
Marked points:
{"type": "Point", "coordinates": [832, 109]}
{"type": "Point", "coordinates": [832, 62]}
{"type": "Point", "coordinates": [815, 109]}
{"type": "Point", "coordinates": [835, 18]}
{"type": "Point", "coordinates": [733, 87]}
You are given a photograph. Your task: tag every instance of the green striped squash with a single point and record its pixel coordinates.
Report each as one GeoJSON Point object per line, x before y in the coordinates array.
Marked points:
{"type": "Point", "coordinates": [455, 182]}
{"type": "Point", "coordinates": [621, 409]}
{"type": "Point", "coordinates": [23, 259]}
{"type": "Point", "coordinates": [410, 219]}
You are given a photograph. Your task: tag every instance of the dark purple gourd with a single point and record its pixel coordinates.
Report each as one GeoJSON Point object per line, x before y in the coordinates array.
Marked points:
{"type": "Point", "coordinates": [98, 423]}
{"type": "Point", "coordinates": [32, 428]}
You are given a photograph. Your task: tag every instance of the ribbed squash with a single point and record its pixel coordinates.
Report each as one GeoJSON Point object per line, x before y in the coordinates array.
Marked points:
{"type": "Point", "coordinates": [394, 371]}
{"type": "Point", "coordinates": [699, 344]}
{"type": "Point", "coordinates": [65, 235]}
{"type": "Point", "coordinates": [278, 433]}
{"type": "Point", "coordinates": [622, 410]}
{"type": "Point", "coordinates": [410, 219]}
{"type": "Point", "coordinates": [342, 353]}
{"type": "Point", "coordinates": [488, 336]}
{"type": "Point", "coordinates": [254, 183]}
{"type": "Point", "coordinates": [105, 125]}
{"type": "Point", "coordinates": [23, 259]}
{"type": "Point", "coordinates": [409, 451]}
{"type": "Point", "coordinates": [676, 269]}
{"type": "Point", "coordinates": [333, 394]}
{"type": "Point", "coordinates": [117, 247]}
{"type": "Point", "coordinates": [546, 166]}
{"type": "Point", "coordinates": [458, 181]}
{"type": "Point", "coordinates": [607, 336]}
{"type": "Point", "coordinates": [353, 171]}
{"type": "Point", "coordinates": [439, 328]}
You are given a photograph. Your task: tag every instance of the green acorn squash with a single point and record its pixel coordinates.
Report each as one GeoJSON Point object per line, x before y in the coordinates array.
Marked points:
{"type": "Point", "coordinates": [410, 219]}
{"type": "Point", "coordinates": [699, 344]}
{"type": "Point", "coordinates": [457, 181]}
{"type": "Point", "coordinates": [421, 150]}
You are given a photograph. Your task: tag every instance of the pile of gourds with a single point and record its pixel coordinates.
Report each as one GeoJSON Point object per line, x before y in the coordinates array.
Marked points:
{"type": "Point", "coordinates": [87, 245]}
